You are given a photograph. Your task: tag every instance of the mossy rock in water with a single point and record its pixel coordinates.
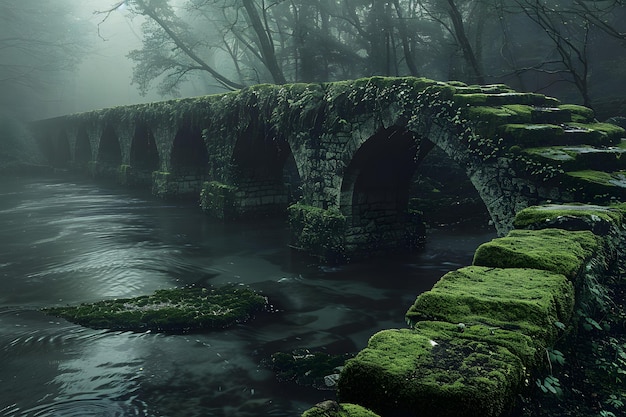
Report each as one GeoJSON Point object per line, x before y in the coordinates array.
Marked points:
{"type": "Point", "coordinates": [555, 250]}
{"type": "Point", "coordinates": [174, 310]}
{"type": "Point", "coordinates": [319, 370]}
{"type": "Point", "coordinates": [331, 408]}
{"type": "Point", "coordinates": [598, 219]}
{"type": "Point", "coordinates": [528, 301]}
{"type": "Point", "coordinates": [405, 372]}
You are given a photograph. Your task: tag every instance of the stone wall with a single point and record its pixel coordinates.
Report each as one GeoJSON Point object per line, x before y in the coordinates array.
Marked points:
{"type": "Point", "coordinates": [483, 331]}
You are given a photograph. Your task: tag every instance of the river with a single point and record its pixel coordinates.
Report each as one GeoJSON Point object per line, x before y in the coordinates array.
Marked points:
{"type": "Point", "coordinates": [66, 241]}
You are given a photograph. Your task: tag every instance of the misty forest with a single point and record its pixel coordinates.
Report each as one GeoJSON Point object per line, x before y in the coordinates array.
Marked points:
{"type": "Point", "coordinates": [313, 208]}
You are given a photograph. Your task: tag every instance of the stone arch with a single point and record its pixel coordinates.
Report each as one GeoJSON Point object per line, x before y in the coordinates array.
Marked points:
{"type": "Point", "coordinates": [375, 192]}
{"type": "Point", "coordinates": [82, 151]}
{"type": "Point", "coordinates": [61, 154]}
{"type": "Point", "coordinates": [144, 155]}
{"type": "Point", "coordinates": [189, 155]}
{"type": "Point", "coordinates": [109, 150]}
{"type": "Point", "coordinates": [264, 171]}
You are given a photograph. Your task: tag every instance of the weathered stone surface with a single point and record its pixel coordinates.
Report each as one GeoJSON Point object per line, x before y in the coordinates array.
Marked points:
{"type": "Point", "coordinates": [526, 300]}
{"type": "Point", "coordinates": [601, 220]}
{"type": "Point", "coordinates": [552, 250]}
{"type": "Point", "coordinates": [405, 372]}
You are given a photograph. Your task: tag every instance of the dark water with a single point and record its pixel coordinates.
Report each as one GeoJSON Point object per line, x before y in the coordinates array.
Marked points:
{"type": "Point", "coordinates": [69, 241]}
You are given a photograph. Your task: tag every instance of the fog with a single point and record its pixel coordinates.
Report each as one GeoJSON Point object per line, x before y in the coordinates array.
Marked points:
{"type": "Point", "coordinates": [61, 57]}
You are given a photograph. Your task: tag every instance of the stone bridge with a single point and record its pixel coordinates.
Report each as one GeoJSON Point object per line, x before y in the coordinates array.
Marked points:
{"type": "Point", "coordinates": [346, 152]}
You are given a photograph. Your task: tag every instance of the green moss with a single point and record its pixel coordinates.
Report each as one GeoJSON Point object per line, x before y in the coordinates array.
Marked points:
{"type": "Point", "coordinates": [528, 135]}
{"type": "Point", "coordinates": [597, 186]}
{"type": "Point", "coordinates": [523, 112]}
{"type": "Point", "coordinates": [553, 215]}
{"type": "Point", "coordinates": [404, 371]}
{"type": "Point", "coordinates": [580, 114]}
{"type": "Point", "coordinates": [218, 199]}
{"type": "Point", "coordinates": [613, 132]}
{"type": "Point", "coordinates": [529, 301]}
{"type": "Point", "coordinates": [521, 345]}
{"type": "Point", "coordinates": [332, 409]}
{"type": "Point", "coordinates": [318, 231]}
{"type": "Point", "coordinates": [500, 98]}
{"type": "Point", "coordinates": [494, 115]}
{"type": "Point", "coordinates": [172, 310]}
{"type": "Point", "coordinates": [553, 250]}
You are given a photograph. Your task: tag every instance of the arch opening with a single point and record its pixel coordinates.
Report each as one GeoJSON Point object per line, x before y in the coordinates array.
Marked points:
{"type": "Point", "coordinates": [82, 152]}
{"type": "Point", "coordinates": [442, 191]}
{"type": "Point", "coordinates": [189, 161]}
{"type": "Point", "coordinates": [375, 194]}
{"type": "Point", "coordinates": [144, 156]}
{"type": "Point", "coordinates": [265, 174]}
{"type": "Point", "coordinates": [61, 154]}
{"type": "Point", "coordinates": [109, 153]}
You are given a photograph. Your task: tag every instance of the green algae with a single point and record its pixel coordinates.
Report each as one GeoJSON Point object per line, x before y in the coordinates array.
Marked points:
{"type": "Point", "coordinates": [170, 310]}
{"type": "Point", "coordinates": [528, 301]}
{"type": "Point", "coordinates": [404, 371]}
{"type": "Point", "coordinates": [553, 250]}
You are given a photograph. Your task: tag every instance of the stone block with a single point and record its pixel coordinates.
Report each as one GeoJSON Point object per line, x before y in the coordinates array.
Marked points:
{"type": "Point", "coordinates": [525, 300]}
{"type": "Point", "coordinates": [407, 372]}
{"type": "Point", "coordinates": [552, 250]}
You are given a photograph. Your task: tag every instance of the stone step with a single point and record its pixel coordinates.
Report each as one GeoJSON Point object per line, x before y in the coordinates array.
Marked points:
{"type": "Point", "coordinates": [499, 99]}
{"type": "Point", "coordinates": [573, 158]}
{"type": "Point", "coordinates": [552, 115]}
{"type": "Point", "coordinates": [596, 186]}
{"type": "Point", "coordinates": [532, 135]}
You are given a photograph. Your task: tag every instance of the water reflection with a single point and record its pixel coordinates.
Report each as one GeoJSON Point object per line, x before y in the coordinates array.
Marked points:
{"type": "Point", "coordinates": [71, 242]}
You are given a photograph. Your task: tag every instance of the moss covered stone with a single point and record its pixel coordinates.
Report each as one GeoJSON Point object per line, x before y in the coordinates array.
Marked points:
{"type": "Point", "coordinates": [317, 231]}
{"type": "Point", "coordinates": [218, 199]}
{"type": "Point", "coordinates": [594, 185]}
{"type": "Point", "coordinates": [528, 301]}
{"type": "Point", "coordinates": [405, 372]}
{"type": "Point", "coordinates": [555, 250]}
{"type": "Point", "coordinates": [598, 219]}
{"type": "Point", "coordinates": [528, 135]}
{"type": "Point", "coordinates": [580, 114]}
{"type": "Point", "coordinates": [171, 310]}
{"type": "Point", "coordinates": [521, 345]}
{"type": "Point", "coordinates": [333, 409]}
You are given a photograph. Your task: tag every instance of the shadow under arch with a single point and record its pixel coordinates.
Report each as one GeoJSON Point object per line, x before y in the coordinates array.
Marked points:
{"type": "Point", "coordinates": [144, 155]}
{"type": "Point", "coordinates": [265, 173]}
{"type": "Point", "coordinates": [83, 153]}
{"type": "Point", "coordinates": [188, 162]}
{"type": "Point", "coordinates": [375, 193]}
{"type": "Point", "coordinates": [109, 153]}
{"type": "Point", "coordinates": [60, 156]}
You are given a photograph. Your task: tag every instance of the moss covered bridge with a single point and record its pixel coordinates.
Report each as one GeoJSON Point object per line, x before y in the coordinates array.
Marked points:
{"type": "Point", "coordinates": [346, 153]}
{"type": "Point", "coordinates": [339, 158]}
